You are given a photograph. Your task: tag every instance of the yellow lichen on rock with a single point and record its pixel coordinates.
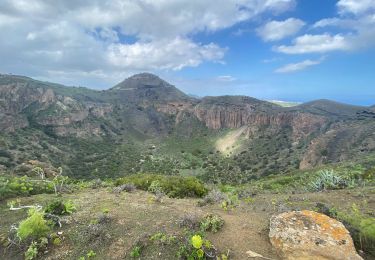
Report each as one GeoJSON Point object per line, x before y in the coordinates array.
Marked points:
{"type": "Point", "coordinates": [310, 235]}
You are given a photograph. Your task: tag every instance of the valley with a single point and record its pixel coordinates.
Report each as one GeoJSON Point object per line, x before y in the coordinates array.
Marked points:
{"type": "Point", "coordinates": [132, 172]}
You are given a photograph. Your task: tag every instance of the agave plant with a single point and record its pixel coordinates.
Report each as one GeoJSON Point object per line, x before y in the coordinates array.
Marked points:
{"type": "Point", "coordinates": [328, 180]}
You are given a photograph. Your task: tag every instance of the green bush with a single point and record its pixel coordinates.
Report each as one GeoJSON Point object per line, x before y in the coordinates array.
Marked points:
{"type": "Point", "coordinates": [211, 222]}
{"type": "Point", "coordinates": [136, 252]}
{"type": "Point", "coordinates": [24, 186]}
{"type": "Point", "coordinates": [35, 248]}
{"type": "Point", "coordinates": [34, 226]}
{"type": "Point", "coordinates": [173, 186]}
{"type": "Point", "coordinates": [32, 251]}
{"type": "Point", "coordinates": [361, 227]}
{"type": "Point", "coordinates": [59, 207]}
{"type": "Point", "coordinates": [163, 238]}
{"type": "Point", "coordinates": [155, 187]}
{"type": "Point", "coordinates": [197, 248]}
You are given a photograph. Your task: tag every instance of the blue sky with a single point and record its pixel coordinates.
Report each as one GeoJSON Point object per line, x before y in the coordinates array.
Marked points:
{"type": "Point", "coordinates": [292, 50]}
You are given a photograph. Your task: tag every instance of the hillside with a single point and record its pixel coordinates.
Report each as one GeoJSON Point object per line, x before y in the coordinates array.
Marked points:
{"type": "Point", "coordinates": [331, 108]}
{"type": "Point", "coordinates": [109, 133]}
{"type": "Point", "coordinates": [143, 171]}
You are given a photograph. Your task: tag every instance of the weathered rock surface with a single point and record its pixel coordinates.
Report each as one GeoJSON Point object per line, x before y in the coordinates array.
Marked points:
{"type": "Point", "coordinates": [310, 235]}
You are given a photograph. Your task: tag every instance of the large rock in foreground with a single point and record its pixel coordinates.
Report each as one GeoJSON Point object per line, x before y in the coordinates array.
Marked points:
{"type": "Point", "coordinates": [310, 235]}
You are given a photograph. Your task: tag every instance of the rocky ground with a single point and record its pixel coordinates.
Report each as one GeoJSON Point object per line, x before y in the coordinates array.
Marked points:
{"type": "Point", "coordinates": [135, 216]}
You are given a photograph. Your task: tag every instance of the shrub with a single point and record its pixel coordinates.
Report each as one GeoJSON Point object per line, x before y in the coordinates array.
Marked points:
{"type": "Point", "coordinates": [212, 223]}
{"type": "Point", "coordinates": [328, 180]}
{"type": "Point", "coordinates": [361, 227]}
{"type": "Point", "coordinates": [32, 251]}
{"type": "Point", "coordinates": [90, 254]}
{"type": "Point", "coordinates": [213, 197]}
{"type": "Point", "coordinates": [96, 184]}
{"type": "Point", "coordinates": [15, 186]}
{"type": "Point", "coordinates": [104, 218]}
{"type": "Point", "coordinates": [197, 247]}
{"type": "Point", "coordinates": [59, 207]}
{"type": "Point", "coordinates": [231, 202]}
{"type": "Point", "coordinates": [128, 187]}
{"type": "Point", "coordinates": [56, 241]}
{"type": "Point", "coordinates": [173, 186]}
{"type": "Point", "coordinates": [155, 187]}
{"type": "Point", "coordinates": [163, 238]}
{"type": "Point", "coordinates": [34, 227]}
{"type": "Point", "coordinates": [95, 234]}
{"type": "Point", "coordinates": [190, 221]}
{"type": "Point", "coordinates": [136, 252]}
{"type": "Point", "coordinates": [196, 241]}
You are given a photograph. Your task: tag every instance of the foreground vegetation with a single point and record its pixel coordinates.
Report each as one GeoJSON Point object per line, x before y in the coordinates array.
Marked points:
{"type": "Point", "coordinates": [50, 213]}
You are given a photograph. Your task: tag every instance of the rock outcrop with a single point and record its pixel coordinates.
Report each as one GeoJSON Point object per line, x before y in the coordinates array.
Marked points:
{"type": "Point", "coordinates": [309, 235]}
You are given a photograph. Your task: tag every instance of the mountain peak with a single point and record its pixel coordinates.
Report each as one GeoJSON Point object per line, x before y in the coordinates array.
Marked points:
{"type": "Point", "coordinates": [142, 80]}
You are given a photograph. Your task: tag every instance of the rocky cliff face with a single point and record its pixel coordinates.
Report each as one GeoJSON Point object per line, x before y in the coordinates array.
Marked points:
{"type": "Point", "coordinates": [15, 97]}
{"type": "Point", "coordinates": [148, 107]}
{"type": "Point", "coordinates": [23, 104]}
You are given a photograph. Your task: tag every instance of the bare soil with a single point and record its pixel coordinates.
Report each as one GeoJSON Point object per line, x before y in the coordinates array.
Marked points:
{"type": "Point", "coordinates": [136, 216]}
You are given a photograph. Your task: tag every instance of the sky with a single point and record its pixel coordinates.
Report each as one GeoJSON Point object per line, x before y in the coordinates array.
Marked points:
{"type": "Point", "coordinates": [291, 50]}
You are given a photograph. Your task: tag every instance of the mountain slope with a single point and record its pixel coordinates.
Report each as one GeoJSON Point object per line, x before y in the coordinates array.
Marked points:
{"type": "Point", "coordinates": [106, 133]}
{"type": "Point", "coordinates": [329, 108]}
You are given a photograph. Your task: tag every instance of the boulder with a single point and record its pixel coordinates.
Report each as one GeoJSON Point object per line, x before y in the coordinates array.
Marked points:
{"type": "Point", "coordinates": [310, 235]}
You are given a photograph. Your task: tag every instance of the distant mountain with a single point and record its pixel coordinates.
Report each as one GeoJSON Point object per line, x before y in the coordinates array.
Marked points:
{"type": "Point", "coordinates": [143, 80]}
{"type": "Point", "coordinates": [149, 87]}
{"type": "Point", "coordinates": [194, 96]}
{"type": "Point", "coordinates": [106, 133]}
{"type": "Point", "coordinates": [330, 108]}
{"type": "Point", "coordinates": [285, 103]}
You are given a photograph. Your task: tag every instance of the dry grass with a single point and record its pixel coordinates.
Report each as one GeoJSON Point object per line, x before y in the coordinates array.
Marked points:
{"type": "Point", "coordinates": [134, 217]}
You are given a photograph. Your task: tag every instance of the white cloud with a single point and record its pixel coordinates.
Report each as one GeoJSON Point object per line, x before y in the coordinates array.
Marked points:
{"type": "Point", "coordinates": [328, 22]}
{"type": "Point", "coordinates": [315, 44]}
{"type": "Point", "coordinates": [360, 28]}
{"type": "Point", "coordinates": [356, 19]}
{"type": "Point", "coordinates": [226, 78]}
{"type": "Point", "coordinates": [94, 37]}
{"type": "Point", "coordinates": [277, 30]}
{"type": "Point", "coordinates": [355, 6]}
{"type": "Point", "coordinates": [171, 54]}
{"type": "Point", "coordinates": [293, 67]}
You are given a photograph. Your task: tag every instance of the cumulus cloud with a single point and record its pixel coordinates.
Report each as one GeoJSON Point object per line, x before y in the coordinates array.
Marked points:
{"type": "Point", "coordinates": [356, 19]}
{"type": "Point", "coordinates": [95, 37]}
{"type": "Point", "coordinates": [315, 44]}
{"type": "Point", "coordinates": [355, 6]}
{"type": "Point", "coordinates": [293, 67]}
{"type": "Point", "coordinates": [277, 30]}
{"type": "Point", "coordinates": [164, 54]}
{"type": "Point", "coordinates": [359, 27]}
